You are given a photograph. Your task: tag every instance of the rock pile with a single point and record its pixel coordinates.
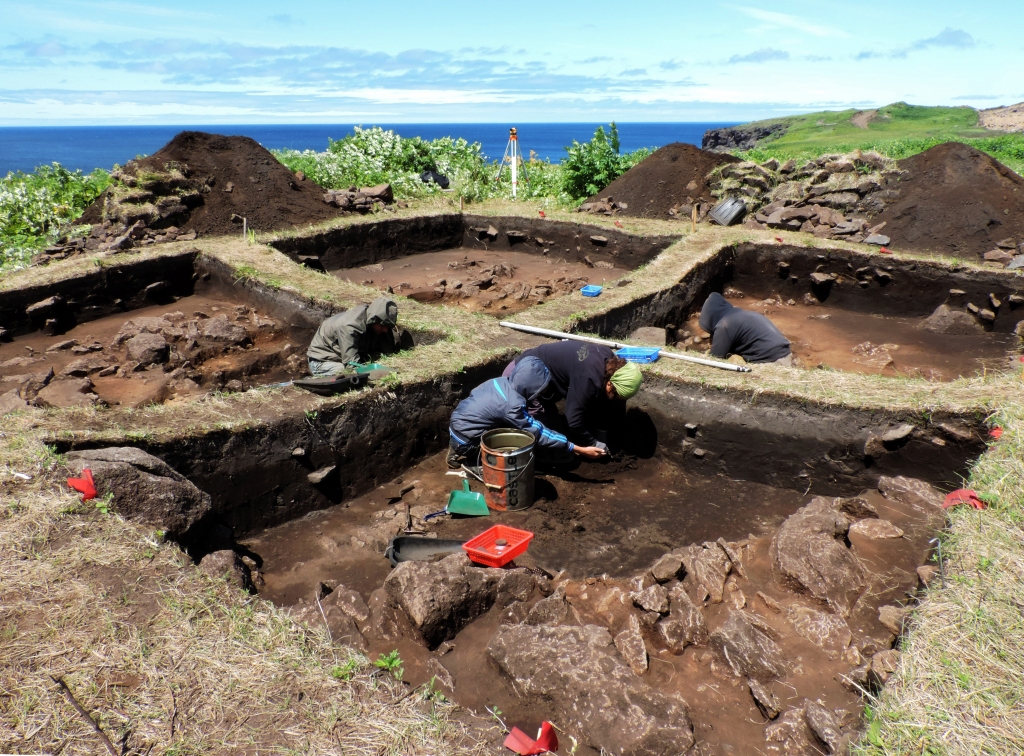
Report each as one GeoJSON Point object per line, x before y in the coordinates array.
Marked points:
{"type": "Point", "coordinates": [832, 197]}
{"type": "Point", "coordinates": [360, 200]}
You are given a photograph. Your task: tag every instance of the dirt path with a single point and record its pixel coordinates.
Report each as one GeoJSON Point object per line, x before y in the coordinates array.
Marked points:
{"type": "Point", "coordinates": [863, 118]}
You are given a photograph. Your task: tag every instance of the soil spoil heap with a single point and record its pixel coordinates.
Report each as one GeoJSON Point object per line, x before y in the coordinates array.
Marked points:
{"type": "Point", "coordinates": [674, 178]}
{"type": "Point", "coordinates": [956, 200]}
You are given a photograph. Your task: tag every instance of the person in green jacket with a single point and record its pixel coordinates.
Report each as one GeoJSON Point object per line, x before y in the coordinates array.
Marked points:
{"type": "Point", "coordinates": [356, 336]}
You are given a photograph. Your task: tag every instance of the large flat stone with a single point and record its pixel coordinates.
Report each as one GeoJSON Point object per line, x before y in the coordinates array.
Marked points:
{"type": "Point", "coordinates": [743, 642]}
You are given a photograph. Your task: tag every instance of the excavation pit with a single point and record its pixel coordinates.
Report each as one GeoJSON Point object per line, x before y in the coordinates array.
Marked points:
{"type": "Point", "coordinates": [851, 311]}
{"type": "Point", "coordinates": [161, 330]}
{"type": "Point", "coordinates": [495, 265]}
{"type": "Point", "coordinates": [699, 470]}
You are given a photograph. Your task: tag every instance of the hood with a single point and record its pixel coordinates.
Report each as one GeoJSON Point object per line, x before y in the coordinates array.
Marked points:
{"type": "Point", "coordinates": [382, 310]}
{"type": "Point", "coordinates": [530, 377]}
{"type": "Point", "coordinates": [715, 308]}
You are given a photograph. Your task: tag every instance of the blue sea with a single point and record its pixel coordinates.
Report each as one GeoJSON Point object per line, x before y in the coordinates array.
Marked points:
{"type": "Point", "coordinates": [22, 148]}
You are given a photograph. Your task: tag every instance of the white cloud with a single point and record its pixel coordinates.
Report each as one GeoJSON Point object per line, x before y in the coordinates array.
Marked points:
{"type": "Point", "coordinates": [788, 21]}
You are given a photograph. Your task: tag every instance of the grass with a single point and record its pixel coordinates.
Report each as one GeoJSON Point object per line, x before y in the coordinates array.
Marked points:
{"type": "Point", "coordinates": [898, 131]}
{"type": "Point", "coordinates": [87, 595]}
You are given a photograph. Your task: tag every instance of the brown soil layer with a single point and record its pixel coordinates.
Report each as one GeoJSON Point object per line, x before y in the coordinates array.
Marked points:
{"type": "Point", "coordinates": [262, 190]}
{"type": "Point", "coordinates": [675, 174]}
{"type": "Point", "coordinates": [824, 335]}
{"type": "Point", "coordinates": [954, 200]}
{"type": "Point", "coordinates": [602, 524]}
{"type": "Point", "coordinates": [500, 282]}
{"type": "Point", "coordinates": [257, 353]}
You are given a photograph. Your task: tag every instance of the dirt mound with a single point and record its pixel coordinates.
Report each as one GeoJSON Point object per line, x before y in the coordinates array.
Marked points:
{"type": "Point", "coordinates": [955, 200]}
{"type": "Point", "coordinates": [198, 181]}
{"type": "Point", "coordinates": [674, 175]}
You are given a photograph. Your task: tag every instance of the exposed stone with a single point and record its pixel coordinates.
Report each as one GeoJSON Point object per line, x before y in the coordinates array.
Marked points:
{"type": "Point", "coordinates": [652, 599]}
{"type": "Point", "coordinates": [440, 598]}
{"type": "Point", "coordinates": [764, 699]}
{"type": "Point", "coordinates": [590, 690]}
{"type": "Point", "coordinates": [709, 567]}
{"type": "Point", "coordinates": [987, 315]}
{"type": "Point", "coordinates": [228, 565]}
{"type": "Point", "coordinates": [148, 348]}
{"type": "Point", "coordinates": [999, 256]}
{"type": "Point", "coordinates": [857, 506]}
{"type": "Point", "coordinates": [875, 528]}
{"type": "Point", "coordinates": [808, 552]}
{"type": "Point", "coordinates": [343, 612]}
{"type": "Point", "coordinates": [826, 726]}
{"type": "Point", "coordinates": [513, 586]}
{"type": "Point", "coordinates": [84, 366]}
{"type": "Point", "coordinates": [926, 573]}
{"type": "Point", "coordinates": [744, 644]}
{"type": "Point", "coordinates": [667, 568]}
{"type": "Point", "coordinates": [218, 328]}
{"type": "Point", "coordinates": [883, 665]}
{"type": "Point", "coordinates": [67, 392]}
{"type": "Point", "coordinates": [45, 308]}
{"type": "Point", "coordinates": [733, 553]}
{"type": "Point", "coordinates": [892, 618]}
{"type": "Point", "coordinates": [553, 610]}
{"type": "Point", "coordinates": [879, 240]}
{"type": "Point", "coordinates": [791, 735]}
{"type": "Point", "coordinates": [144, 487]}
{"type": "Point", "coordinates": [11, 401]}
{"type": "Point", "coordinates": [822, 279]}
{"type": "Point", "coordinates": [769, 602]}
{"type": "Point", "coordinates": [911, 491]}
{"type": "Point", "coordinates": [317, 477]}
{"type": "Point", "coordinates": [684, 626]}
{"type": "Point", "coordinates": [827, 631]}
{"type": "Point", "coordinates": [952, 321]}
{"type": "Point", "coordinates": [630, 645]}
{"type": "Point", "coordinates": [62, 345]}
{"type": "Point", "coordinates": [441, 674]}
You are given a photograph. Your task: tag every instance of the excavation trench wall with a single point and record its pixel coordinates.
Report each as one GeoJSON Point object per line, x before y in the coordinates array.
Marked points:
{"type": "Point", "coordinates": [368, 243]}
{"type": "Point", "coordinates": [801, 446]}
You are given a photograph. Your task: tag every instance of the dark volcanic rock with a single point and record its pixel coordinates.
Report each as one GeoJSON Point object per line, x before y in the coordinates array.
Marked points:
{"type": "Point", "coordinates": [67, 392]}
{"type": "Point", "coordinates": [144, 487]}
{"type": "Point", "coordinates": [228, 565]}
{"type": "Point", "coordinates": [739, 137]}
{"type": "Point", "coordinates": [590, 689]}
{"type": "Point", "coordinates": [744, 644]}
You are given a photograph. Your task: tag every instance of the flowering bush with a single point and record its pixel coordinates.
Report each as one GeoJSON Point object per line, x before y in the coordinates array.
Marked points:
{"type": "Point", "coordinates": [36, 208]}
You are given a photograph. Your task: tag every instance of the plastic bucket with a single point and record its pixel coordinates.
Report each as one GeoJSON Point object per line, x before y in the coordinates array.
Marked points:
{"type": "Point", "coordinates": [506, 455]}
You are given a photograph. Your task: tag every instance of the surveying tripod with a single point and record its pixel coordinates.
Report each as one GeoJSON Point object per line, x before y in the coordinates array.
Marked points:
{"type": "Point", "coordinates": [514, 158]}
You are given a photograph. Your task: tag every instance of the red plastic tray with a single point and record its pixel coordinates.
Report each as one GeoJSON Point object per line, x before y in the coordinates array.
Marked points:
{"type": "Point", "coordinates": [481, 548]}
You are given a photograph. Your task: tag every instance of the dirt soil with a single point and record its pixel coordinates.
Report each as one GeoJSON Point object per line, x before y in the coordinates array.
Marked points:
{"type": "Point", "coordinates": [675, 174]}
{"type": "Point", "coordinates": [595, 528]}
{"type": "Point", "coordinates": [243, 179]}
{"type": "Point", "coordinates": [1008, 118]}
{"type": "Point", "coordinates": [500, 282]}
{"type": "Point", "coordinates": [955, 200]}
{"type": "Point", "coordinates": [859, 342]}
{"type": "Point", "coordinates": [214, 342]}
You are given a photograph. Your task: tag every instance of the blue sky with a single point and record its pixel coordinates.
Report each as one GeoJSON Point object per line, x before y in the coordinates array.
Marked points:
{"type": "Point", "coordinates": [92, 61]}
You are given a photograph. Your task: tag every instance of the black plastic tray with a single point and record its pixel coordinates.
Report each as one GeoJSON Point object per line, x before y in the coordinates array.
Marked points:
{"type": "Point", "coordinates": [419, 549]}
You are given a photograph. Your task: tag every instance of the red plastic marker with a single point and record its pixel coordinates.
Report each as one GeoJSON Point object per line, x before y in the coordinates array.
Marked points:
{"type": "Point", "coordinates": [885, 251]}
{"type": "Point", "coordinates": [963, 496]}
{"type": "Point", "coordinates": [85, 485]}
{"type": "Point", "coordinates": [996, 433]}
{"type": "Point", "coordinates": [778, 239]}
{"type": "Point", "coordinates": [617, 223]}
{"type": "Point", "coordinates": [542, 214]}
{"type": "Point", "coordinates": [524, 745]}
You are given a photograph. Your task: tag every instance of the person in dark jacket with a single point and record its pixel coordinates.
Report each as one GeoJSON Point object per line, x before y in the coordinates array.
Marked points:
{"type": "Point", "coordinates": [592, 380]}
{"type": "Point", "coordinates": [356, 336]}
{"type": "Point", "coordinates": [501, 403]}
{"type": "Point", "coordinates": [749, 334]}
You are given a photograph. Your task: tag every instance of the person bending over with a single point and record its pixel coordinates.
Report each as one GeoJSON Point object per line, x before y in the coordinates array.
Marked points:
{"type": "Point", "coordinates": [594, 383]}
{"type": "Point", "coordinates": [502, 403]}
{"type": "Point", "coordinates": [356, 336]}
{"type": "Point", "coordinates": [749, 334]}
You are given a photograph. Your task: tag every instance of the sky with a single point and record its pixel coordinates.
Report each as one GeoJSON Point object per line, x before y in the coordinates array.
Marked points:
{"type": "Point", "coordinates": [223, 61]}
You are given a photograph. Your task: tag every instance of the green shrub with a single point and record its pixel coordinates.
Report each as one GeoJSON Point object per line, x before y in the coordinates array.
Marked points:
{"type": "Point", "coordinates": [591, 166]}
{"type": "Point", "coordinates": [36, 208]}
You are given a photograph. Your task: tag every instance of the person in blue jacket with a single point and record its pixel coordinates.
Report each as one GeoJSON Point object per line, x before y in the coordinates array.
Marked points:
{"type": "Point", "coordinates": [502, 403]}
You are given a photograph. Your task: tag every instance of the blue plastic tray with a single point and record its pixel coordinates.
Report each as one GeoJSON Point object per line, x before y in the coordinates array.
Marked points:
{"type": "Point", "coordinates": [591, 290]}
{"type": "Point", "coordinates": [639, 354]}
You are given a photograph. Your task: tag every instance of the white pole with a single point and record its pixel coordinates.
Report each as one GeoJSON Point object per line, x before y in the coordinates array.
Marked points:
{"type": "Point", "coordinates": [617, 345]}
{"type": "Point", "coordinates": [514, 143]}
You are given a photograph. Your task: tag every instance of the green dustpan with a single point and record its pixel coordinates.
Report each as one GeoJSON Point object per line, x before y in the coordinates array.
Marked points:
{"type": "Point", "coordinates": [465, 502]}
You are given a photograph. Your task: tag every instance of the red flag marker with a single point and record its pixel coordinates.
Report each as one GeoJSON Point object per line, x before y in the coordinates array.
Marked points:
{"type": "Point", "coordinates": [963, 496]}
{"type": "Point", "coordinates": [778, 239]}
{"type": "Point", "coordinates": [85, 485]}
{"type": "Point", "coordinates": [617, 223]}
{"type": "Point", "coordinates": [885, 251]}
{"type": "Point", "coordinates": [524, 745]}
{"type": "Point", "coordinates": [996, 433]}
{"type": "Point", "coordinates": [542, 214]}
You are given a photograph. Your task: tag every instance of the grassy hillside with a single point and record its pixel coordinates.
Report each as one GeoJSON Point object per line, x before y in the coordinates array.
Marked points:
{"type": "Point", "coordinates": [898, 130]}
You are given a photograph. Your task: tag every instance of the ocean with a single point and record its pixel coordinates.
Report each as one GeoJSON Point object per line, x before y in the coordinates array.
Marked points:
{"type": "Point", "coordinates": [22, 148]}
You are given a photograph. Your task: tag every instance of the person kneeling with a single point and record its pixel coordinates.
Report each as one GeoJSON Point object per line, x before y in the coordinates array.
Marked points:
{"type": "Point", "coordinates": [502, 403]}
{"type": "Point", "coordinates": [749, 334]}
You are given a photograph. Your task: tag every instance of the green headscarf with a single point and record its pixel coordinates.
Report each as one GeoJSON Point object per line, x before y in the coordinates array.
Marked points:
{"type": "Point", "coordinates": [626, 380]}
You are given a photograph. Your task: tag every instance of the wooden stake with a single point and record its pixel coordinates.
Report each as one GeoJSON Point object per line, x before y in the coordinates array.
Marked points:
{"type": "Point", "coordinates": [693, 220]}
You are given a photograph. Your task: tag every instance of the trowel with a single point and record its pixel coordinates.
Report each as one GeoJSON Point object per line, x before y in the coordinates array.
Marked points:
{"type": "Point", "coordinates": [463, 502]}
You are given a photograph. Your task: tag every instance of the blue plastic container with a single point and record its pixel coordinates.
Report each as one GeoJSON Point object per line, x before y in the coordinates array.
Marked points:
{"type": "Point", "coordinates": [591, 290]}
{"type": "Point", "coordinates": [639, 354]}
